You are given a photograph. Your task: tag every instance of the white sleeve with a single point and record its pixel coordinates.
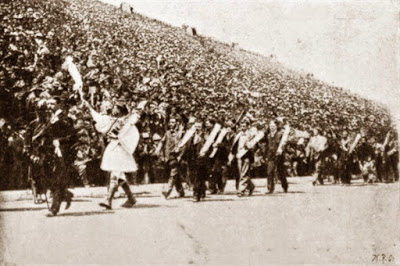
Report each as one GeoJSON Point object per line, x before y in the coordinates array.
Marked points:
{"type": "Point", "coordinates": [103, 122]}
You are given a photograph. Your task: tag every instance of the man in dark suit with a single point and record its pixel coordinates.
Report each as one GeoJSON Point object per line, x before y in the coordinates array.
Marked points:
{"type": "Point", "coordinates": [56, 138]}
{"type": "Point", "coordinates": [220, 170]}
{"type": "Point", "coordinates": [275, 164]}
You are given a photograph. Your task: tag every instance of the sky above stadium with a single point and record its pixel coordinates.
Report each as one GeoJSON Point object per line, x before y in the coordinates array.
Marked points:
{"type": "Point", "coordinates": [352, 44]}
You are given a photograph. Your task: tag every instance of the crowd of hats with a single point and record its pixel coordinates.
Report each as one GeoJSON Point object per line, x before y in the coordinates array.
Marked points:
{"type": "Point", "coordinates": [127, 58]}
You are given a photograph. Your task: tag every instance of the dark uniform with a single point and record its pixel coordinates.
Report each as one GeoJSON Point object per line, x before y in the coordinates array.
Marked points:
{"type": "Point", "coordinates": [219, 171]}
{"type": "Point", "coordinates": [53, 146]}
{"type": "Point", "coordinates": [275, 165]}
{"type": "Point", "coordinates": [199, 167]}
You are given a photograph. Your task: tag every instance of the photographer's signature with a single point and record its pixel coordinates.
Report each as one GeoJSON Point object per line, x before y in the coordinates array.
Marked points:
{"type": "Point", "coordinates": [382, 258]}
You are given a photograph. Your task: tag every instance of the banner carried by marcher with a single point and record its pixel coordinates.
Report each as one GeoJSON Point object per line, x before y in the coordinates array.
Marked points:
{"type": "Point", "coordinates": [210, 139]}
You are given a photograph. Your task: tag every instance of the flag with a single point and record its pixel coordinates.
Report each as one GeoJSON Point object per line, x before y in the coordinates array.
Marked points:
{"type": "Point", "coordinates": [74, 72]}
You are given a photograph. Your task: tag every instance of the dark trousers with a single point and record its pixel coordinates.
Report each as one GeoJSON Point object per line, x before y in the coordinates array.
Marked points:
{"type": "Point", "coordinates": [233, 172]}
{"type": "Point", "coordinates": [276, 169]}
{"type": "Point", "coordinates": [58, 185]}
{"type": "Point", "coordinates": [345, 171]}
{"type": "Point", "coordinates": [393, 161]}
{"type": "Point", "coordinates": [200, 172]}
{"type": "Point", "coordinates": [219, 175]}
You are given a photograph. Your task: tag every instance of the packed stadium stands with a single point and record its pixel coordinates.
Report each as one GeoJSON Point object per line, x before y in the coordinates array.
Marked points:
{"type": "Point", "coordinates": [129, 58]}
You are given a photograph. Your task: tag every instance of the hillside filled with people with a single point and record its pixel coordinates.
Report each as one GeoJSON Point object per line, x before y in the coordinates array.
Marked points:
{"type": "Point", "coordinates": [127, 58]}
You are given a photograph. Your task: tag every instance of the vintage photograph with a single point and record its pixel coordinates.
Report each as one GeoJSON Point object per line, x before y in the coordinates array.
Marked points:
{"type": "Point", "coordinates": [206, 132]}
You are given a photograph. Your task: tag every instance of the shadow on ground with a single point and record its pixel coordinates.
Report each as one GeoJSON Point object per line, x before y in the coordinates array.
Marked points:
{"type": "Point", "coordinates": [144, 206]}
{"type": "Point", "coordinates": [216, 200]}
{"type": "Point", "coordinates": [81, 200]}
{"type": "Point", "coordinates": [88, 213]}
{"type": "Point", "coordinates": [22, 209]}
{"type": "Point", "coordinates": [346, 185]}
{"type": "Point", "coordinates": [290, 192]}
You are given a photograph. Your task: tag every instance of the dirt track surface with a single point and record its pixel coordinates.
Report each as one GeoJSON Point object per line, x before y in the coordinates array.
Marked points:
{"type": "Point", "coordinates": [321, 224]}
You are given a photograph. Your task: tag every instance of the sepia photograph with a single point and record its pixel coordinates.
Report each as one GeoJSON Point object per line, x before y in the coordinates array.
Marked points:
{"type": "Point", "coordinates": [205, 132]}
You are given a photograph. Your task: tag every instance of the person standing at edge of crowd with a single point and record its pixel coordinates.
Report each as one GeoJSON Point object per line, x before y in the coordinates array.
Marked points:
{"type": "Point", "coordinates": [392, 155]}
{"type": "Point", "coordinates": [345, 172]}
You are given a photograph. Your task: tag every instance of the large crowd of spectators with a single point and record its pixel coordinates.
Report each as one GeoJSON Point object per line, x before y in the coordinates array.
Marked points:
{"type": "Point", "coordinates": [129, 58]}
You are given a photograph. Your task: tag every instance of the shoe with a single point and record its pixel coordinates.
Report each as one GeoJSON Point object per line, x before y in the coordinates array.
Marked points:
{"type": "Point", "coordinates": [131, 199]}
{"type": "Point", "coordinates": [53, 211]}
{"type": "Point", "coordinates": [55, 207]}
{"type": "Point", "coordinates": [239, 194]}
{"type": "Point", "coordinates": [196, 199]}
{"type": "Point", "coordinates": [106, 204]}
{"type": "Point", "coordinates": [182, 194]}
{"type": "Point", "coordinates": [165, 194]}
{"type": "Point", "coordinates": [314, 183]}
{"type": "Point", "coordinates": [129, 203]}
{"type": "Point", "coordinates": [251, 190]}
{"type": "Point", "coordinates": [285, 190]}
{"type": "Point", "coordinates": [68, 199]}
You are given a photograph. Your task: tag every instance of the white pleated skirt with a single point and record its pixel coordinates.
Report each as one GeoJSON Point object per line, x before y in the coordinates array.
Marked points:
{"type": "Point", "coordinates": [116, 159]}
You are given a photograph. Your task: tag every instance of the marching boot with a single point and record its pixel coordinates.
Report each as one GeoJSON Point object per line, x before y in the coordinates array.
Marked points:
{"type": "Point", "coordinates": [68, 198]}
{"type": "Point", "coordinates": [180, 190]}
{"type": "Point", "coordinates": [131, 199]}
{"type": "Point", "coordinates": [251, 188]}
{"type": "Point", "coordinates": [222, 188]}
{"type": "Point", "coordinates": [170, 185]}
{"type": "Point", "coordinates": [108, 201]}
{"type": "Point", "coordinates": [55, 206]}
{"type": "Point", "coordinates": [270, 185]}
{"type": "Point", "coordinates": [197, 194]}
{"type": "Point", "coordinates": [223, 181]}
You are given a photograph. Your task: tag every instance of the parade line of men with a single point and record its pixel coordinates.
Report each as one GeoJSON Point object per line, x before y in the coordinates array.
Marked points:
{"type": "Point", "coordinates": [200, 151]}
{"type": "Point", "coordinates": [209, 151]}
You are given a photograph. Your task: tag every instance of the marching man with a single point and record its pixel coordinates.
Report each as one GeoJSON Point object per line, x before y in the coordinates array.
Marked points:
{"type": "Point", "coordinates": [118, 156]}
{"type": "Point", "coordinates": [275, 168]}
{"type": "Point", "coordinates": [243, 158]}
{"type": "Point", "coordinates": [168, 147]}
